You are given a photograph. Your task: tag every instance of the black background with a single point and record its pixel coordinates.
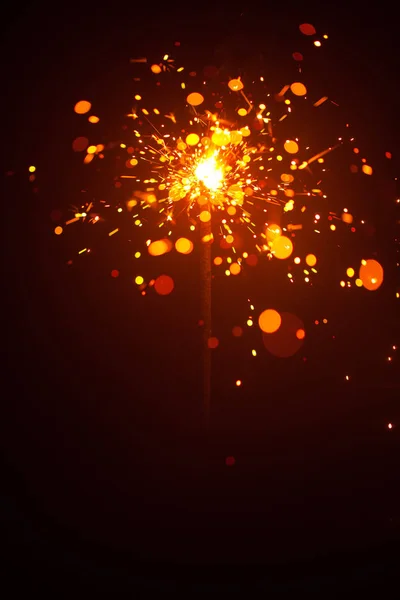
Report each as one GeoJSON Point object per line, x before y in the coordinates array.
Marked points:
{"type": "Point", "coordinates": [109, 478]}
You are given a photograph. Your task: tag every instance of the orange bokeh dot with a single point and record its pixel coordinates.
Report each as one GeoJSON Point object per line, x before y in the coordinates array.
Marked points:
{"type": "Point", "coordinates": [159, 247]}
{"type": "Point", "coordinates": [371, 274]}
{"type": "Point", "coordinates": [93, 119]}
{"type": "Point", "coordinates": [164, 284]}
{"type": "Point", "coordinates": [155, 69]}
{"type": "Point", "coordinates": [195, 99]}
{"type": "Point", "coordinates": [311, 260]}
{"type": "Point", "coordinates": [58, 230]}
{"type": "Point", "coordinates": [235, 85]}
{"type": "Point", "coordinates": [212, 342]}
{"type": "Point", "coordinates": [235, 269]}
{"type": "Point", "coordinates": [82, 107]}
{"type": "Point", "coordinates": [184, 246]}
{"type": "Point", "coordinates": [237, 331]}
{"type": "Point", "coordinates": [205, 216]}
{"type": "Point", "coordinates": [291, 147]}
{"type": "Point", "coordinates": [217, 261]}
{"type": "Point", "coordinates": [367, 169]}
{"type": "Point", "coordinates": [269, 321]}
{"type": "Point", "coordinates": [300, 334]}
{"type": "Point", "coordinates": [298, 89]}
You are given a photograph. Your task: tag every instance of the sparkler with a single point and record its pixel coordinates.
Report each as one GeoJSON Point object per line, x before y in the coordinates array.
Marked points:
{"type": "Point", "coordinates": [218, 166]}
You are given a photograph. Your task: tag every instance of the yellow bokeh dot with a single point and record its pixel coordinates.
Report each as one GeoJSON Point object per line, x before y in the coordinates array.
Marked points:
{"type": "Point", "coordinates": [82, 107]}
{"type": "Point", "coordinates": [138, 254]}
{"type": "Point", "coordinates": [311, 260]}
{"type": "Point", "coordinates": [236, 137]}
{"type": "Point", "coordinates": [133, 162]}
{"type": "Point", "coordinates": [272, 232]}
{"type": "Point", "coordinates": [359, 283]}
{"type": "Point", "coordinates": [242, 112]}
{"type": "Point", "coordinates": [291, 147]}
{"type": "Point", "coordinates": [195, 99]}
{"type": "Point", "coordinates": [245, 131]}
{"type": "Point", "coordinates": [93, 119]}
{"type": "Point", "coordinates": [58, 230]}
{"type": "Point", "coordinates": [269, 321]}
{"type": "Point", "coordinates": [298, 89]}
{"type": "Point", "coordinates": [192, 139]}
{"type": "Point", "coordinates": [229, 239]}
{"type": "Point", "coordinates": [32, 169]}
{"type": "Point", "coordinates": [91, 149]}
{"type": "Point", "coordinates": [350, 272]}
{"type": "Point", "coordinates": [297, 260]}
{"type": "Point", "coordinates": [205, 216]}
{"type": "Point", "coordinates": [221, 138]}
{"type": "Point", "coordinates": [139, 280]}
{"type": "Point", "coordinates": [282, 247]}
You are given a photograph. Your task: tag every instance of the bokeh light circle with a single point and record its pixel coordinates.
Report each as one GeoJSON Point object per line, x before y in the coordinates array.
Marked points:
{"type": "Point", "coordinates": [282, 247]}
{"type": "Point", "coordinates": [235, 85]}
{"type": "Point", "coordinates": [307, 29]}
{"type": "Point", "coordinates": [269, 321]}
{"type": "Point", "coordinates": [80, 144]}
{"type": "Point", "coordinates": [192, 139]}
{"type": "Point", "coordinates": [195, 99]}
{"type": "Point", "coordinates": [164, 284]}
{"type": "Point", "coordinates": [311, 260]}
{"type": "Point", "coordinates": [298, 89]}
{"type": "Point", "coordinates": [159, 247]}
{"type": "Point", "coordinates": [82, 107]}
{"type": "Point", "coordinates": [183, 246]}
{"type": "Point", "coordinates": [371, 274]}
{"type": "Point", "coordinates": [291, 147]}
{"type": "Point", "coordinates": [285, 342]}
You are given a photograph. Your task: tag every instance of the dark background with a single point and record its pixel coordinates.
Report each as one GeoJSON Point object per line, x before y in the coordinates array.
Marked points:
{"type": "Point", "coordinates": [109, 478]}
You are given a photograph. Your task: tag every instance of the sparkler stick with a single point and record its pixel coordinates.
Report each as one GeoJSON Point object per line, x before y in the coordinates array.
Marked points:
{"type": "Point", "coordinates": [205, 271]}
